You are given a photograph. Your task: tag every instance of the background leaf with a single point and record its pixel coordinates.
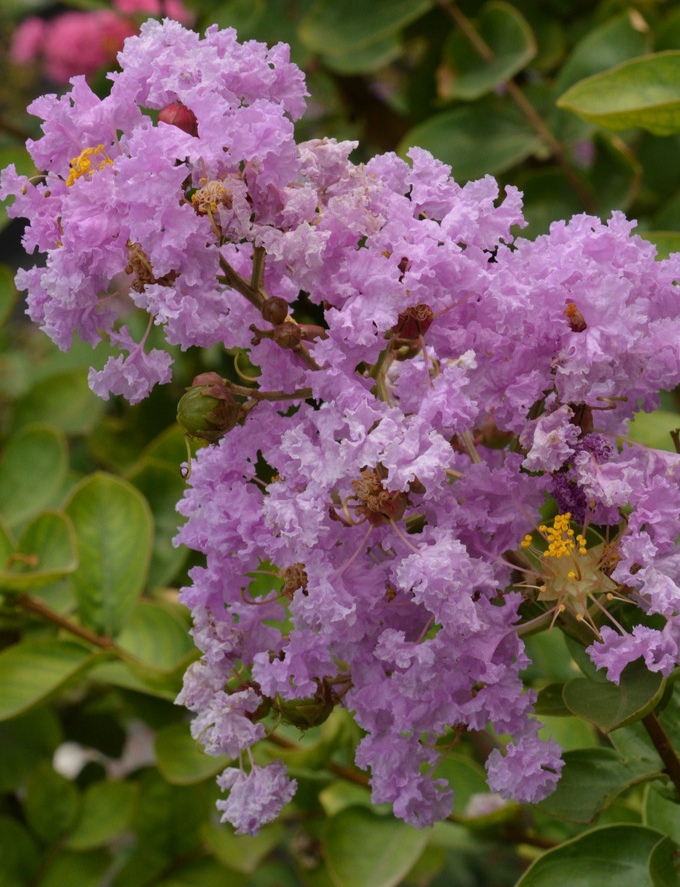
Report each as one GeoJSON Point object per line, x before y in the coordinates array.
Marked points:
{"type": "Point", "coordinates": [113, 527]}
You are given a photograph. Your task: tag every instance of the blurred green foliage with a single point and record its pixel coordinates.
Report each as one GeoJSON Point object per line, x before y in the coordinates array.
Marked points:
{"type": "Point", "coordinates": [100, 780]}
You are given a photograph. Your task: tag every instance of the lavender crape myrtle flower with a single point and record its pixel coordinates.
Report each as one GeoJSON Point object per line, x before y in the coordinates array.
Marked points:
{"type": "Point", "coordinates": [430, 389]}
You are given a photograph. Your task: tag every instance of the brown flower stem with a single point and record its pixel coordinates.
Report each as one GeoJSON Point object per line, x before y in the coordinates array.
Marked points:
{"type": "Point", "coordinates": [664, 748]}
{"type": "Point", "coordinates": [34, 605]}
{"type": "Point", "coordinates": [347, 773]}
{"type": "Point", "coordinates": [233, 279]}
{"type": "Point", "coordinates": [486, 53]}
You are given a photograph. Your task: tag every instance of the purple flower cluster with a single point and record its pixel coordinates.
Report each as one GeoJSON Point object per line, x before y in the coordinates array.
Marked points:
{"type": "Point", "coordinates": [430, 388]}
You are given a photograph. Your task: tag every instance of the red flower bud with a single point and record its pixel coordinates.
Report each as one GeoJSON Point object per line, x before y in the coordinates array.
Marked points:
{"type": "Point", "coordinates": [177, 114]}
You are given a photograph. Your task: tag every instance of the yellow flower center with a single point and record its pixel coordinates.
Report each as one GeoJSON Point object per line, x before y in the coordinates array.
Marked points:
{"type": "Point", "coordinates": [89, 160]}
{"type": "Point", "coordinates": [569, 572]}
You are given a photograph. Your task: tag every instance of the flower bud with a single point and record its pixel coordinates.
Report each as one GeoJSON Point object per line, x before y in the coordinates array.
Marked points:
{"type": "Point", "coordinates": [208, 410]}
{"type": "Point", "coordinates": [275, 310]}
{"type": "Point", "coordinates": [177, 114]}
{"type": "Point", "coordinates": [306, 713]}
{"type": "Point", "coordinates": [288, 335]}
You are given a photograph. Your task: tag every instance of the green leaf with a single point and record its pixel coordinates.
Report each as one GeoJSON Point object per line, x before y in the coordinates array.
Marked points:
{"type": "Point", "coordinates": [467, 76]}
{"type": "Point", "coordinates": [51, 803]}
{"type": "Point", "coordinates": [162, 486]}
{"type": "Point", "coordinates": [77, 870]}
{"type": "Point", "coordinates": [119, 674]}
{"type": "Point", "coordinates": [608, 705]}
{"type": "Point", "coordinates": [654, 429]}
{"type": "Point", "coordinates": [612, 856]}
{"type": "Point", "coordinates": [34, 670]}
{"type": "Point", "coordinates": [333, 28]}
{"type": "Point", "coordinates": [25, 742]}
{"type": "Point", "coordinates": [107, 810]}
{"type": "Point", "coordinates": [367, 60]}
{"type": "Point", "coordinates": [114, 530]}
{"type": "Point", "coordinates": [18, 853]}
{"type": "Point", "coordinates": [592, 779]}
{"type": "Point", "coordinates": [45, 552]}
{"type": "Point", "coordinates": [32, 471]}
{"type": "Point", "coordinates": [643, 92]}
{"type": "Point", "coordinates": [64, 400]}
{"type": "Point", "coordinates": [601, 48]}
{"type": "Point", "coordinates": [662, 812]}
{"type": "Point", "coordinates": [365, 850]}
{"type": "Point", "coordinates": [242, 853]}
{"type": "Point", "coordinates": [663, 864]}
{"type": "Point", "coordinates": [486, 137]}
{"type": "Point", "coordinates": [180, 758]}
{"type": "Point", "coordinates": [155, 638]}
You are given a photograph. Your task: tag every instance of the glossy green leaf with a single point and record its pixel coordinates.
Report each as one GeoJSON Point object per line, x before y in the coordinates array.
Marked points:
{"type": "Point", "coordinates": [485, 137]}
{"type": "Point", "coordinates": [31, 671]}
{"type": "Point", "coordinates": [107, 810]}
{"type": "Point", "coordinates": [644, 92]}
{"type": "Point", "coordinates": [365, 850]}
{"type": "Point", "coordinates": [155, 638]}
{"type": "Point", "coordinates": [33, 468]}
{"type": "Point", "coordinates": [77, 870]}
{"type": "Point", "coordinates": [51, 803]}
{"type": "Point", "coordinates": [114, 530]}
{"type": "Point", "coordinates": [18, 852]}
{"type": "Point", "coordinates": [612, 856]}
{"type": "Point", "coordinates": [333, 28]}
{"type": "Point", "coordinates": [591, 780]}
{"type": "Point", "coordinates": [181, 759]}
{"type": "Point", "coordinates": [26, 741]}
{"type": "Point", "coordinates": [45, 552]}
{"type": "Point", "coordinates": [608, 705]}
{"type": "Point", "coordinates": [162, 486]}
{"type": "Point", "coordinates": [609, 44]}
{"type": "Point", "coordinates": [466, 75]}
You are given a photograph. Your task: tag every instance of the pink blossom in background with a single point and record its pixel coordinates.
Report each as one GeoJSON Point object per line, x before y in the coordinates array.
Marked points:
{"type": "Point", "coordinates": [82, 42]}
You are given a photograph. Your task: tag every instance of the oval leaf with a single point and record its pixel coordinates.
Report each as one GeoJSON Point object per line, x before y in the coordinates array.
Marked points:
{"type": "Point", "coordinates": [180, 759]}
{"type": "Point", "coordinates": [592, 779]}
{"type": "Point", "coordinates": [333, 28]}
{"type": "Point", "coordinates": [487, 137]}
{"type": "Point", "coordinates": [32, 671]}
{"type": "Point", "coordinates": [32, 470]}
{"type": "Point", "coordinates": [45, 552]}
{"type": "Point", "coordinates": [365, 850]}
{"type": "Point", "coordinates": [644, 92]}
{"type": "Point", "coordinates": [611, 856]}
{"type": "Point", "coordinates": [608, 705]}
{"type": "Point", "coordinates": [64, 400]}
{"type": "Point", "coordinates": [162, 486]}
{"type": "Point", "coordinates": [511, 41]}
{"type": "Point", "coordinates": [154, 638]}
{"type": "Point", "coordinates": [114, 530]}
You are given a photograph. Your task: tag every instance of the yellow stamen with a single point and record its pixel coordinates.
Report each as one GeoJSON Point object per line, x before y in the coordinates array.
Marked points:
{"type": "Point", "coordinates": [82, 164]}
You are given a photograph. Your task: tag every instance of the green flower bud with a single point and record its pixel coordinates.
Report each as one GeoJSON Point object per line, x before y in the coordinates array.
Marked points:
{"type": "Point", "coordinates": [208, 410]}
